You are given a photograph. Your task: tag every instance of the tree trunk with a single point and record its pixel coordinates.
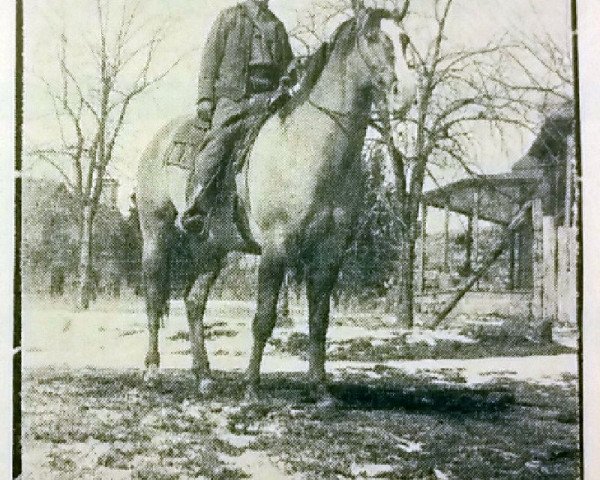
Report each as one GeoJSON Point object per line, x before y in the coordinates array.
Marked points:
{"type": "Point", "coordinates": [405, 309]}
{"type": "Point", "coordinates": [85, 259]}
{"type": "Point", "coordinates": [284, 298]}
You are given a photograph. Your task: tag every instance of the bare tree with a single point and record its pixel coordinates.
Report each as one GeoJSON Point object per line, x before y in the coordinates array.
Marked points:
{"type": "Point", "coordinates": [91, 109]}
{"type": "Point", "coordinates": [458, 88]}
{"type": "Point", "coordinates": [314, 25]}
{"type": "Point", "coordinates": [545, 71]}
{"type": "Point", "coordinates": [505, 85]}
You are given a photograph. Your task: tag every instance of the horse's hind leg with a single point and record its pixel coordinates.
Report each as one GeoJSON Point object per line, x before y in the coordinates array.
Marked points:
{"type": "Point", "coordinates": [157, 283]}
{"type": "Point", "coordinates": [270, 276]}
{"type": "Point", "coordinates": [195, 303]}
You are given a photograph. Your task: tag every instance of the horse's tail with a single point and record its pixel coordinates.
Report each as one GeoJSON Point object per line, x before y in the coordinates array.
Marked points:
{"type": "Point", "coordinates": [157, 274]}
{"type": "Point", "coordinates": [156, 214]}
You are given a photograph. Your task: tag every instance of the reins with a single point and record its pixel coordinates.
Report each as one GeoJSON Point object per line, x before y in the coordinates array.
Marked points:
{"type": "Point", "coordinates": [336, 116]}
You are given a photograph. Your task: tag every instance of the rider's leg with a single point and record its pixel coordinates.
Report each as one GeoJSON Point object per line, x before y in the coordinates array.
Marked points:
{"type": "Point", "coordinates": [207, 167]}
{"type": "Point", "coordinates": [209, 163]}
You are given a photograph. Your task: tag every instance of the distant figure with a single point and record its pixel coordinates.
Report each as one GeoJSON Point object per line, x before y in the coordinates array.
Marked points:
{"type": "Point", "coordinates": [245, 59]}
{"type": "Point", "coordinates": [57, 281]}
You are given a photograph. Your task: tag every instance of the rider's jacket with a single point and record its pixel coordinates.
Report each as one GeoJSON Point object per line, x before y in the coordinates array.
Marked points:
{"type": "Point", "coordinates": [247, 52]}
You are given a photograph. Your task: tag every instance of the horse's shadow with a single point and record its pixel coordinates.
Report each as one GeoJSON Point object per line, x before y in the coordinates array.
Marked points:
{"type": "Point", "coordinates": [383, 395]}
{"type": "Point", "coordinates": [433, 397]}
{"type": "Point", "coordinates": [293, 390]}
{"type": "Point", "coordinates": [417, 395]}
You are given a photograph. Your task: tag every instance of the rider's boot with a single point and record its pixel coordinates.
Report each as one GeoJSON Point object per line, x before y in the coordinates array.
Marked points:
{"type": "Point", "coordinates": [195, 216]}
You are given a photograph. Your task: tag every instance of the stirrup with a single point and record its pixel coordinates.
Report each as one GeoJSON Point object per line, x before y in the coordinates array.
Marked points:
{"type": "Point", "coordinates": [196, 224]}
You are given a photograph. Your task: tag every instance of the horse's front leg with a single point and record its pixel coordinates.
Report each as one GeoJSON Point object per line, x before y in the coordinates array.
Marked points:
{"type": "Point", "coordinates": [321, 279]}
{"type": "Point", "coordinates": [195, 303]}
{"type": "Point", "coordinates": [270, 276]}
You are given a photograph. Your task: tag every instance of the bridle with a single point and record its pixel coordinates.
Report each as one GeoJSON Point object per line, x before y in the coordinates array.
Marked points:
{"type": "Point", "coordinates": [337, 116]}
{"type": "Point", "coordinates": [371, 66]}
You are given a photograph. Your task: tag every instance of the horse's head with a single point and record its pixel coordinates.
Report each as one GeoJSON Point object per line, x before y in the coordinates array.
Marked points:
{"type": "Point", "coordinates": [383, 55]}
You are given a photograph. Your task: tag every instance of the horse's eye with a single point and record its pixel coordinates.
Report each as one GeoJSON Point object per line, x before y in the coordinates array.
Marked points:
{"type": "Point", "coordinates": [404, 42]}
{"type": "Point", "coordinates": [372, 36]}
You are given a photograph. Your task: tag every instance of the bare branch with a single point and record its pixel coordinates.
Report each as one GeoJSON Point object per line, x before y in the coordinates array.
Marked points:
{"type": "Point", "coordinates": [46, 156]}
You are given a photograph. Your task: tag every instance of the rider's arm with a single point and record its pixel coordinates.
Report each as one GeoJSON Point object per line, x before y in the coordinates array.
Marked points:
{"type": "Point", "coordinates": [214, 51]}
{"type": "Point", "coordinates": [285, 47]}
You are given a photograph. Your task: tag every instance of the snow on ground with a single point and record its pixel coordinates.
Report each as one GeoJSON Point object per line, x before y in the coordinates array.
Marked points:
{"type": "Point", "coordinates": [433, 421]}
{"type": "Point", "coordinates": [112, 336]}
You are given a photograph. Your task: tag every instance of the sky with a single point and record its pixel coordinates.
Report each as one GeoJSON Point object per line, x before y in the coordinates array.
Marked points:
{"type": "Point", "coordinates": [472, 22]}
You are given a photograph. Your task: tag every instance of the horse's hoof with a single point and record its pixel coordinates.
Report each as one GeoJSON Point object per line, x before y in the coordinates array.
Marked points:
{"type": "Point", "coordinates": [251, 397]}
{"type": "Point", "coordinates": [327, 401]}
{"type": "Point", "coordinates": [151, 375]}
{"type": "Point", "coordinates": [205, 386]}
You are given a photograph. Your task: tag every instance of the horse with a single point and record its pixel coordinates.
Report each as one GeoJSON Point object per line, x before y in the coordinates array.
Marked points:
{"type": "Point", "coordinates": [300, 188]}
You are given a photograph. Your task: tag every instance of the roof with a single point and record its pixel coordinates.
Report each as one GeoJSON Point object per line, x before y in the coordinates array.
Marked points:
{"type": "Point", "coordinates": [499, 196]}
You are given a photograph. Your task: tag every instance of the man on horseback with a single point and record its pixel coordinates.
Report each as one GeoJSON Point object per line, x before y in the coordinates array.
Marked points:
{"type": "Point", "coordinates": [245, 60]}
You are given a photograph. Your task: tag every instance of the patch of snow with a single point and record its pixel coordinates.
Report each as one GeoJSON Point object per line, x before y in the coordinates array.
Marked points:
{"type": "Point", "coordinates": [533, 465]}
{"type": "Point", "coordinates": [543, 369]}
{"type": "Point", "coordinates": [193, 410]}
{"type": "Point", "coordinates": [83, 345]}
{"type": "Point", "coordinates": [273, 428]}
{"type": "Point", "coordinates": [439, 475]}
{"type": "Point", "coordinates": [231, 410]}
{"type": "Point", "coordinates": [237, 441]}
{"type": "Point", "coordinates": [419, 338]}
{"type": "Point", "coordinates": [370, 470]}
{"type": "Point", "coordinates": [362, 371]}
{"type": "Point", "coordinates": [408, 446]}
{"type": "Point", "coordinates": [257, 464]}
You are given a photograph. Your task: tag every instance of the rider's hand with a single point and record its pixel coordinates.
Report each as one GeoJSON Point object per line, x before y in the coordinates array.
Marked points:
{"type": "Point", "coordinates": [205, 110]}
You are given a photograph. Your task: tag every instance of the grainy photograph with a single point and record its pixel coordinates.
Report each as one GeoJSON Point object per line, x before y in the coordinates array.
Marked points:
{"type": "Point", "coordinates": [313, 239]}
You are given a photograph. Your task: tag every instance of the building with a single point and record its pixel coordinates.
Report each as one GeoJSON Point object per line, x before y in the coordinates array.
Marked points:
{"type": "Point", "coordinates": [542, 249]}
{"type": "Point", "coordinates": [50, 238]}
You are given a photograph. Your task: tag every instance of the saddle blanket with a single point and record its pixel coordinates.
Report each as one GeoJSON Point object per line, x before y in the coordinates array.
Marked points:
{"type": "Point", "coordinates": [191, 137]}
{"type": "Point", "coordinates": [187, 142]}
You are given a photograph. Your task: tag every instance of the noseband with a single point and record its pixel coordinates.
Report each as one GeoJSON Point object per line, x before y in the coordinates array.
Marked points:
{"type": "Point", "coordinates": [374, 69]}
{"type": "Point", "coordinates": [371, 66]}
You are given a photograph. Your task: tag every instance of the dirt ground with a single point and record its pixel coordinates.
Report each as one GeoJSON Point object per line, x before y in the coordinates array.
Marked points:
{"type": "Point", "coordinates": [412, 405]}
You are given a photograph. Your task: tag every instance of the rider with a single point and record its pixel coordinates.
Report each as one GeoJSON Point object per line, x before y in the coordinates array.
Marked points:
{"type": "Point", "coordinates": [245, 59]}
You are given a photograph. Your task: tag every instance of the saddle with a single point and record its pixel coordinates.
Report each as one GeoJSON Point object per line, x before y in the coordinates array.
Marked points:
{"type": "Point", "coordinates": [225, 205]}
{"type": "Point", "coordinates": [187, 143]}
{"type": "Point", "coordinates": [192, 136]}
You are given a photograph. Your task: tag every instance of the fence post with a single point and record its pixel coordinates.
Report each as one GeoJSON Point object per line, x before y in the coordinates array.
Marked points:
{"type": "Point", "coordinates": [469, 246]}
{"type": "Point", "coordinates": [446, 239]}
{"type": "Point", "coordinates": [475, 259]}
{"type": "Point", "coordinates": [562, 274]}
{"type": "Point", "coordinates": [538, 324]}
{"type": "Point", "coordinates": [550, 290]}
{"type": "Point", "coordinates": [511, 262]}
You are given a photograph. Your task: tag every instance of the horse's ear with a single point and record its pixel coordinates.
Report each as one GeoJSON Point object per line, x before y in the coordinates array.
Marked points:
{"type": "Point", "coordinates": [358, 6]}
{"type": "Point", "coordinates": [368, 20]}
{"type": "Point", "coordinates": [404, 42]}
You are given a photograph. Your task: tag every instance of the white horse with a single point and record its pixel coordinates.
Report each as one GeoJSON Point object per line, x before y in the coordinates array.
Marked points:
{"type": "Point", "coordinates": [300, 189]}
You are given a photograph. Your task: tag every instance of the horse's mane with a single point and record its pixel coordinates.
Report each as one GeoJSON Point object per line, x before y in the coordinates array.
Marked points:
{"type": "Point", "coordinates": [316, 63]}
